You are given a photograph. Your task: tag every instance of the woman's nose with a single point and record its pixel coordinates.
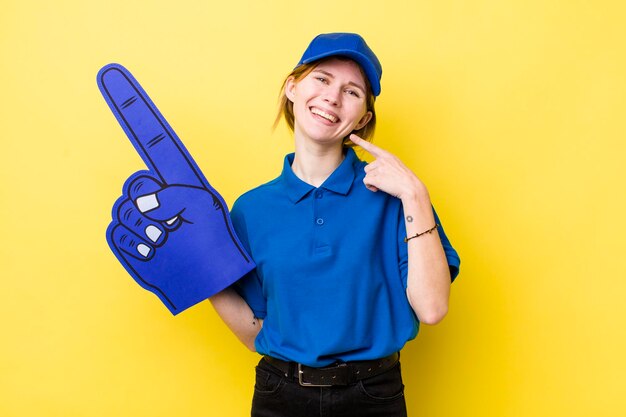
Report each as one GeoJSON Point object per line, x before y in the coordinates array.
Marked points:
{"type": "Point", "coordinates": [332, 97]}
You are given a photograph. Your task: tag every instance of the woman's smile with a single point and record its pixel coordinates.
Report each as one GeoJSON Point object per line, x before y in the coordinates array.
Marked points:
{"type": "Point", "coordinates": [326, 116]}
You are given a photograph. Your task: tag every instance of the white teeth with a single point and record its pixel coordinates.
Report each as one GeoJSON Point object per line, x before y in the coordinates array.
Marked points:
{"type": "Point", "coordinates": [324, 114]}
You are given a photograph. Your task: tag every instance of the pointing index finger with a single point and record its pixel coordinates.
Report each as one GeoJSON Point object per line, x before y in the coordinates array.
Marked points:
{"type": "Point", "coordinates": [368, 146]}
{"type": "Point", "coordinates": [151, 135]}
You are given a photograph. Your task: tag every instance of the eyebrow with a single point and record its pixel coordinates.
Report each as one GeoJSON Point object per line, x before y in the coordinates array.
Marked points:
{"type": "Point", "coordinates": [332, 76]}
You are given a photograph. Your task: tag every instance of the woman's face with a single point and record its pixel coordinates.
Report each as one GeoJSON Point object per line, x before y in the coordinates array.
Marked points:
{"type": "Point", "coordinates": [330, 102]}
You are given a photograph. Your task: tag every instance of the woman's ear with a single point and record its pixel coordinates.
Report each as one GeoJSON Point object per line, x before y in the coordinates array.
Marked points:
{"type": "Point", "coordinates": [290, 88]}
{"type": "Point", "coordinates": [364, 120]}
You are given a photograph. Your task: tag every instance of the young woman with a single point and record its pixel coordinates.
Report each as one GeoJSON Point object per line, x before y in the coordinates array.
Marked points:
{"type": "Point", "coordinates": [350, 256]}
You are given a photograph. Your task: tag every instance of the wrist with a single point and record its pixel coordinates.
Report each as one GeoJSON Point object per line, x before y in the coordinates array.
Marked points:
{"type": "Point", "coordinates": [417, 194]}
{"type": "Point", "coordinates": [418, 212]}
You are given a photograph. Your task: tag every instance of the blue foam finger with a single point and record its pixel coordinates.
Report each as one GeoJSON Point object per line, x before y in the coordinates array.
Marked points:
{"type": "Point", "coordinates": [146, 128]}
{"type": "Point", "coordinates": [198, 258]}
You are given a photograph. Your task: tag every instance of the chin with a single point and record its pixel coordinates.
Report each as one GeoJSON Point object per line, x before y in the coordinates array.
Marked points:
{"type": "Point", "coordinates": [322, 136]}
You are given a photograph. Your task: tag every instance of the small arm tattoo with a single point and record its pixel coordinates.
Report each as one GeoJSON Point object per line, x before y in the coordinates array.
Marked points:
{"type": "Point", "coordinates": [409, 219]}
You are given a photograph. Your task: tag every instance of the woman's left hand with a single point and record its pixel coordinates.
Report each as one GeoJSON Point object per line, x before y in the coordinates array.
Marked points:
{"type": "Point", "coordinates": [389, 174]}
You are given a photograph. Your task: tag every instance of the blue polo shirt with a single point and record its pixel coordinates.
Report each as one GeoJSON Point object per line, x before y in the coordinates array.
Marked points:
{"type": "Point", "coordinates": [331, 273]}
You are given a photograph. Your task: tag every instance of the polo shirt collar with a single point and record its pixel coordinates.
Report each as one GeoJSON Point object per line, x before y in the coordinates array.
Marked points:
{"type": "Point", "coordinates": [339, 181]}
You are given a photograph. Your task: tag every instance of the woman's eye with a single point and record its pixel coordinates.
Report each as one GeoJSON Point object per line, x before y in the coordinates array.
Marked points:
{"type": "Point", "coordinates": [321, 79]}
{"type": "Point", "coordinates": [353, 93]}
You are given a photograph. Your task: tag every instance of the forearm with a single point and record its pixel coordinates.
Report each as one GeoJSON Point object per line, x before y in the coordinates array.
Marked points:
{"type": "Point", "coordinates": [238, 316]}
{"type": "Point", "coordinates": [428, 282]}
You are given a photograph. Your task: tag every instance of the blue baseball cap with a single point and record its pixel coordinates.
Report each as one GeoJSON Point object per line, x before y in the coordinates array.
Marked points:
{"type": "Point", "coordinates": [349, 45]}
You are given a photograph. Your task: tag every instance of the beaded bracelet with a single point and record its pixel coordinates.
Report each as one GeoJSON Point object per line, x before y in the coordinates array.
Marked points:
{"type": "Point", "coordinates": [406, 239]}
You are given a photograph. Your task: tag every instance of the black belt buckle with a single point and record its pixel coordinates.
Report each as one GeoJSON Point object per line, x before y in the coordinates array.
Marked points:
{"type": "Point", "coordinates": [310, 384]}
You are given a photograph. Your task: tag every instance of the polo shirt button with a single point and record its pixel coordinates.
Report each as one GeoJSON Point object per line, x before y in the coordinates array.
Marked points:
{"type": "Point", "coordinates": [319, 194]}
{"type": "Point", "coordinates": [319, 221]}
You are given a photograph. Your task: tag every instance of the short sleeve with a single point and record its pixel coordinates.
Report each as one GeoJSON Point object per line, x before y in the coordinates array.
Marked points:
{"type": "Point", "coordinates": [249, 287]}
{"type": "Point", "coordinates": [452, 256]}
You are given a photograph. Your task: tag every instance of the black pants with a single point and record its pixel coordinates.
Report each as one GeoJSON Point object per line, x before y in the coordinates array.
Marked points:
{"type": "Point", "coordinates": [278, 396]}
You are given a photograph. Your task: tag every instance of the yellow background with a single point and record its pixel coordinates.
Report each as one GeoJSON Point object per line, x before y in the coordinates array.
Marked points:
{"type": "Point", "coordinates": [511, 112]}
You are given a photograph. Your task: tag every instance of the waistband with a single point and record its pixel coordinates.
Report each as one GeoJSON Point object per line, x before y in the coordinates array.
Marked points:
{"type": "Point", "coordinates": [341, 373]}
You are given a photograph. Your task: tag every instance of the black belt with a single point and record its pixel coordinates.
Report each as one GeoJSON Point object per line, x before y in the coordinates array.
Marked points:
{"type": "Point", "coordinates": [342, 373]}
